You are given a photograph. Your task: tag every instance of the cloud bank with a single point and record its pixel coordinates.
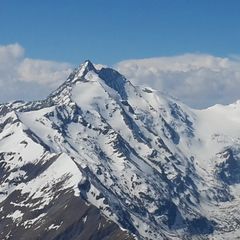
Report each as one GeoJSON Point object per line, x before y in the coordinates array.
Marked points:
{"type": "Point", "coordinates": [199, 80]}
{"type": "Point", "coordinates": [25, 78]}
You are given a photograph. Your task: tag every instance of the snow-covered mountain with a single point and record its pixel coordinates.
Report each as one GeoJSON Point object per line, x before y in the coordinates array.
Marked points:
{"type": "Point", "coordinates": [103, 159]}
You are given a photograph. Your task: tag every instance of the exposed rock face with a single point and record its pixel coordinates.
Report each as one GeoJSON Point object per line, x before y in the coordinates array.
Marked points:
{"type": "Point", "coordinates": [103, 159]}
{"type": "Point", "coordinates": [67, 217]}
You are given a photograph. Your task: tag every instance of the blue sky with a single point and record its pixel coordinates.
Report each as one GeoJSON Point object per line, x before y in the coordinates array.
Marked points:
{"type": "Point", "coordinates": [107, 31]}
{"type": "Point", "coordinates": [187, 48]}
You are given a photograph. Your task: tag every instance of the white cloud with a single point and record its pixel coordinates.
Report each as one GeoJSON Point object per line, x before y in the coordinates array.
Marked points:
{"type": "Point", "coordinates": [25, 78]}
{"type": "Point", "coordinates": [200, 80]}
{"type": "Point", "coordinates": [43, 72]}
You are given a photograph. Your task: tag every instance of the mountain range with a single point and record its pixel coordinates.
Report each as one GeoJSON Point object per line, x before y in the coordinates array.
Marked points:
{"type": "Point", "coordinates": [100, 158]}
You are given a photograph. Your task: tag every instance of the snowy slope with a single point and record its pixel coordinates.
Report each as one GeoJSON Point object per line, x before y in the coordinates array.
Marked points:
{"type": "Point", "coordinates": [152, 165]}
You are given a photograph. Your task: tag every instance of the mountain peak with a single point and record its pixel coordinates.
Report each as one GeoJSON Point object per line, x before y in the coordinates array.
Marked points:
{"type": "Point", "coordinates": [89, 65]}
{"type": "Point", "coordinates": [85, 67]}
{"type": "Point", "coordinates": [111, 77]}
